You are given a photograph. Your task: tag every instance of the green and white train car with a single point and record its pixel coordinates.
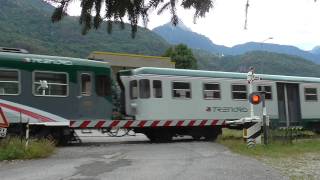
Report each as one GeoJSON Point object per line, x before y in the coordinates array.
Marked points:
{"type": "Point", "coordinates": [175, 94]}
{"type": "Point", "coordinates": [48, 92]}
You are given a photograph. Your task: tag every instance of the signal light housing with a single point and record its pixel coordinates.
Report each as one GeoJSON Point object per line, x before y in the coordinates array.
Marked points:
{"type": "Point", "coordinates": [255, 98]}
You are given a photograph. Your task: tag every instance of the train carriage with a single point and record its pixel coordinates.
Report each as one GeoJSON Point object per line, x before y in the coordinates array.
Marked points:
{"type": "Point", "coordinates": [59, 94]}
{"type": "Point", "coordinates": [159, 93]}
{"type": "Point", "coordinates": [49, 91]}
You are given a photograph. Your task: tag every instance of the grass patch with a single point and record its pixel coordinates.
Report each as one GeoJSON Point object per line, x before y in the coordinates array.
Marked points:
{"type": "Point", "coordinates": [14, 148]}
{"type": "Point", "coordinates": [233, 140]}
{"type": "Point", "coordinates": [298, 159]}
{"type": "Point", "coordinates": [228, 134]}
{"type": "Point", "coordinates": [274, 149]}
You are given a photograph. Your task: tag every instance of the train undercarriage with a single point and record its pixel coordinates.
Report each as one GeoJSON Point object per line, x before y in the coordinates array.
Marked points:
{"type": "Point", "coordinates": [66, 135]}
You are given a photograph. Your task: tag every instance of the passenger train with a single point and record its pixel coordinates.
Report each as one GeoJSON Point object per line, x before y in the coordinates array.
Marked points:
{"type": "Point", "coordinates": [56, 95]}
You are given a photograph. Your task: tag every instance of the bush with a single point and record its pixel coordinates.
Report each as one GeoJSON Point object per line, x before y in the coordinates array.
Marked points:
{"type": "Point", "coordinates": [14, 148]}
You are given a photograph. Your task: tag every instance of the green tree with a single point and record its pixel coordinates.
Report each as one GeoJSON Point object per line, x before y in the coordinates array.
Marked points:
{"type": "Point", "coordinates": [116, 10]}
{"type": "Point", "coordinates": [182, 56]}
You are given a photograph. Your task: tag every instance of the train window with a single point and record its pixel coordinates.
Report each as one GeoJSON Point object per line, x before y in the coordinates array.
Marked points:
{"type": "Point", "coordinates": [181, 90]}
{"type": "Point", "coordinates": [133, 89]}
{"type": "Point", "coordinates": [267, 90]}
{"type": "Point", "coordinates": [103, 85]}
{"type": "Point", "coordinates": [239, 91]}
{"type": "Point", "coordinates": [211, 91]}
{"type": "Point", "coordinates": [310, 94]}
{"type": "Point", "coordinates": [157, 89]}
{"type": "Point", "coordinates": [9, 82]}
{"type": "Point", "coordinates": [85, 84]}
{"type": "Point", "coordinates": [144, 88]}
{"type": "Point", "coordinates": [50, 84]}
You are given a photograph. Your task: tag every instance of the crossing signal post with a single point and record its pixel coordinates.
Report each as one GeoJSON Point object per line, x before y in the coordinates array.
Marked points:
{"type": "Point", "coordinates": [256, 98]}
{"type": "Point", "coordinates": [252, 125]}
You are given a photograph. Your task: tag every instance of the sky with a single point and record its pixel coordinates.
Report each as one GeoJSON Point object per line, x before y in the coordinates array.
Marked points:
{"type": "Point", "coordinates": [287, 22]}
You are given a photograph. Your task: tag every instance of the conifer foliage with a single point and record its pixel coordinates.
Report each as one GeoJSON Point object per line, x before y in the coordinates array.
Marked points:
{"type": "Point", "coordinates": [116, 10]}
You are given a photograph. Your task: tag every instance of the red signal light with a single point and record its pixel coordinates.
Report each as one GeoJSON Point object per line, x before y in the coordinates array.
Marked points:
{"type": "Point", "coordinates": [255, 98]}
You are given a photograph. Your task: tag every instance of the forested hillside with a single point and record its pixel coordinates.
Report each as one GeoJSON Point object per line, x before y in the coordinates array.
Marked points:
{"type": "Point", "coordinates": [27, 24]}
{"type": "Point", "coordinates": [264, 62]}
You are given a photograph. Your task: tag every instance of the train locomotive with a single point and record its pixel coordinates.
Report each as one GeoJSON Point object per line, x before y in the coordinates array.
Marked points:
{"type": "Point", "coordinates": [57, 95]}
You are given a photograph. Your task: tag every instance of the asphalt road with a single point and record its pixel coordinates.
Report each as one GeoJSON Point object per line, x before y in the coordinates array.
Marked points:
{"type": "Point", "coordinates": [134, 158]}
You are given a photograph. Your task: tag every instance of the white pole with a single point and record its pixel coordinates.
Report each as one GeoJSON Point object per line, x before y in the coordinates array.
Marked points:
{"type": "Point", "coordinates": [27, 134]}
{"type": "Point", "coordinates": [251, 105]}
{"type": "Point", "coordinates": [250, 79]}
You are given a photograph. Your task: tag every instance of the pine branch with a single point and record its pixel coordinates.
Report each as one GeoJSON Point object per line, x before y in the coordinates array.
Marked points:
{"type": "Point", "coordinates": [116, 10]}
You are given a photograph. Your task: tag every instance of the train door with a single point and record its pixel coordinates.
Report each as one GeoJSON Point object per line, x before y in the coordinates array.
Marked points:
{"type": "Point", "coordinates": [289, 104]}
{"type": "Point", "coordinates": [85, 100]}
{"type": "Point", "coordinates": [133, 96]}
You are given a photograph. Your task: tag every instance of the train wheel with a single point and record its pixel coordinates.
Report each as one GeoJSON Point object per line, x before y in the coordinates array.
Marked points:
{"type": "Point", "coordinates": [42, 133]}
{"type": "Point", "coordinates": [61, 136]}
{"type": "Point", "coordinates": [150, 136]}
{"type": "Point", "coordinates": [196, 137]}
{"type": "Point", "coordinates": [164, 137]}
{"type": "Point", "coordinates": [58, 136]}
{"type": "Point", "coordinates": [159, 136]}
{"type": "Point", "coordinates": [316, 128]}
{"type": "Point", "coordinates": [212, 137]}
{"type": "Point", "coordinates": [212, 134]}
{"type": "Point", "coordinates": [317, 131]}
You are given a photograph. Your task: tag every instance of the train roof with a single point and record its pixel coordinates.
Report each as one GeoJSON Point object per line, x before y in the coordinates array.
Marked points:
{"type": "Point", "coordinates": [45, 59]}
{"type": "Point", "coordinates": [216, 74]}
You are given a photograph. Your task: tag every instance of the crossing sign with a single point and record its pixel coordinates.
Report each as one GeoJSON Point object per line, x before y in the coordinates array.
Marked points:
{"type": "Point", "coordinates": [3, 121]}
{"type": "Point", "coordinates": [3, 132]}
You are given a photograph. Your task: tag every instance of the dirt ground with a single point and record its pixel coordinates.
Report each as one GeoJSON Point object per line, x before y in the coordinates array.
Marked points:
{"type": "Point", "coordinates": [305, 166]}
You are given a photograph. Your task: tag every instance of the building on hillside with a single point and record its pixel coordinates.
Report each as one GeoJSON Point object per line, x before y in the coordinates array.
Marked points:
{"type": "Point", "coordinates": [121, 61]}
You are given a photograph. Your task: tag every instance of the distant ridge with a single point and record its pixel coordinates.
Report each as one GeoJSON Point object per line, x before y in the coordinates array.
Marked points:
{"type": "Point", "coordinates": [26, 24]}
{"type": "Point", "coordinates": [183, 34]}
{"type": "Point", "coordinates": [316, 50]}
{"type": "Point", "coordinates": [264, 63]}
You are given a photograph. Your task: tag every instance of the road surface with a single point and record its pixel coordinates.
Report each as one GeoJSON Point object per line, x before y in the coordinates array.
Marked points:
{"type": "Point", "coordinates": [134, 158]}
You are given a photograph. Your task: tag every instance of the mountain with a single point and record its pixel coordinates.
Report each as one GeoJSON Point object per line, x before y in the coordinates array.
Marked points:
{"type": "Point", "coordinates": [264, 62]}
{"type": "Point", "coordinates": [283, 49]}
{"type": "Point", "coordinates": [182, 34]}
{"type": "Point", "coordinates": [27, 24]}
{"type": "Point", "coordinates": [316, 50]}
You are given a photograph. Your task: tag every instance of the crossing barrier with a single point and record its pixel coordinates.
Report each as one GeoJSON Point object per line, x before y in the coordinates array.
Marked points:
{"type": "Point", "coordinates": [252, 129]}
